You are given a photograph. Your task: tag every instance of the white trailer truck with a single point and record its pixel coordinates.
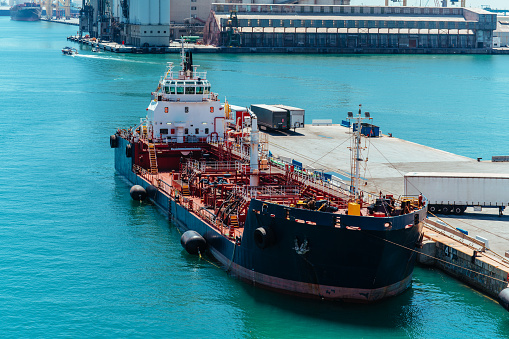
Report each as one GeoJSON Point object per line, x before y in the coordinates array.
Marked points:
{"type": "Point", "coordinates": [296, 116]}
{"type": "Point", "coordinates": [452, 193]}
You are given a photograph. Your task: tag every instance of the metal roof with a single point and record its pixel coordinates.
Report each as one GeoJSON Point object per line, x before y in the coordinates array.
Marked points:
{"type": "Point", "coordinates": [413, 31]}
{"type": "Point", "coordinates": [346, 17]}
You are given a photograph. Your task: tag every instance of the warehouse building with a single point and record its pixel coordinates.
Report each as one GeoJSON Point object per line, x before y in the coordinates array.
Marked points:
{"type": "Point", "coordinates": [338, 28]}
{"type": "Point", "coordinates": [189, 16]}
{"type": "Point", "coordinates": [501, 34]}
{"type": "Point", "coordinates": [139, 23]}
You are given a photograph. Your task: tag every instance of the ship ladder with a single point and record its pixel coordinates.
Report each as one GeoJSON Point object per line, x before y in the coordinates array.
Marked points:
{"type": "Point", "coordinates": [234, 221]}
{"type": "Point", "coordinates": [153, 159]}
{"type": "Point", "coordinates": [185, 190]}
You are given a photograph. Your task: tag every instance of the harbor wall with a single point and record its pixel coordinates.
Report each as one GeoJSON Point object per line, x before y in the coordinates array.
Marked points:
{"type": "Point", "coordinates": [176, 48]}
{"type": "Point", "coordinates": [482, 269]}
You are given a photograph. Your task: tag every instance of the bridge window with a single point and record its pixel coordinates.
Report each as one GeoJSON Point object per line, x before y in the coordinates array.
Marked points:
{"type": "Point", "coordinates": [167, 89]}
{"type": "Point", "coordinates": [190, 90]}
{"type": "Point", "coordinates": [199, 90]}
{"type": "Point", "coordinates": [206, 90]}
{"type": "Point", "coordinates": [164, 131]}
{"type": "Point", "coordinates": [172, 90]}
{"type": "Point", "coordinates": [180, 87]}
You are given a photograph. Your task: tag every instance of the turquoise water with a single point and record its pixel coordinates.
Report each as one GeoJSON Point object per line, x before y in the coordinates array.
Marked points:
{"type": "Point", "coordinates": [80, 259]}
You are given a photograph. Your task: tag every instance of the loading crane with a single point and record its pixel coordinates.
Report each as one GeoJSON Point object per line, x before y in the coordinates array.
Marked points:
{"type": "Point", "coordinates": [50, 4]}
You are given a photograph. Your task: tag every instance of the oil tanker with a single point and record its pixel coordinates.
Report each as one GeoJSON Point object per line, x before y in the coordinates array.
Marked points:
{"type": "Point", "coordinates": [267, 223]}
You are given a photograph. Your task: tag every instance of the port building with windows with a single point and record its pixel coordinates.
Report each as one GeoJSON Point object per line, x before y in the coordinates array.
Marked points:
{"type": "Point", "coordinates": [361, 29]}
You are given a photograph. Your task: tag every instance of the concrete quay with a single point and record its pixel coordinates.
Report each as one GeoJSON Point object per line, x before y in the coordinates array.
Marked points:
{"type": "Point", "coordinates": [175, 47]}
{"type": "Point", "coordinates": [71, 21]}
{"type": "Point", "coordinates": [464, 257]}
{"type": "Point", "coordinates": [483, 266]}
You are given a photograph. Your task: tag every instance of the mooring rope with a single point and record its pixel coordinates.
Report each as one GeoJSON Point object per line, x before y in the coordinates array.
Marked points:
{"type": "Point", "coordinates": [441, 260]}
{"type": "Point", "coordinates": [210, 262]}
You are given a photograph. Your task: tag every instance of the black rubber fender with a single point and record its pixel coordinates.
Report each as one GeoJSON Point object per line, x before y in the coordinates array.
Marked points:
{"type": "Point", "coordinates": [128, 151]}
{"type": "Point", "coordinates": [193, 242]}
{"type": "Point", "coordinates": [113, 141]}
{"type": "Point", "coordinates": [151, 191]}
{"type": "Point", "coordinates": [264, 237]}
{"type": "Point", "coordinates": [138, 193]}
{"type": "Point", "coordinates": [503, 298]}
{"type": "Point", "coordinates": [433, 209]}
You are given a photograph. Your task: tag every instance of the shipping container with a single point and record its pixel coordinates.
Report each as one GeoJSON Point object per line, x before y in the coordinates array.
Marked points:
{"type": "Point", "coordinates": [452, 193]}
{"type": "Point", "coordinates": [271, 117]}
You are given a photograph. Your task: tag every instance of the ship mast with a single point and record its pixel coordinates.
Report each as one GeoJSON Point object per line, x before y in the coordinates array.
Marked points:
{"type": "Point", "coordinates": [254, 178]}
{"type": "Point", "coordinates": [356, 150]}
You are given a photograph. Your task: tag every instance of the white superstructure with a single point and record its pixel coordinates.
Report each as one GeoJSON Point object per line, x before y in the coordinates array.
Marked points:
{"type": "Point", "coordinates": [183, 109]}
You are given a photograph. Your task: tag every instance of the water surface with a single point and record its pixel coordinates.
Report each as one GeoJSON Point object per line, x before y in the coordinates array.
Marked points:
{"type": "Point", "coordinates": [79, 258]}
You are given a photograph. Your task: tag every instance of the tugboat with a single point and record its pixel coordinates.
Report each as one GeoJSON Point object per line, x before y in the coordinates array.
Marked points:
{"type": "Point", "coordinates": [266, 223]}
{"type": "Point", "coordinates": [27, 11]}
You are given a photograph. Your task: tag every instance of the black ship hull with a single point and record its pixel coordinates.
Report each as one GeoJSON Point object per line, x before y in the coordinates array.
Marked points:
{"type": "Point", "coordinates": [20, 13]}
{"type": "Point", "coordinates": [302, 252]}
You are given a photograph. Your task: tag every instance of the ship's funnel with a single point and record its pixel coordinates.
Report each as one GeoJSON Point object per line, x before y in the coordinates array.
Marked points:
{"type": "Point", "coordinates": [189, 61]}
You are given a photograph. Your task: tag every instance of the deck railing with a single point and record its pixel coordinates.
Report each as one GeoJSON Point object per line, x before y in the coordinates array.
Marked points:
{"type": "Point", "coordinates": [187, 203]}
{"type": "Point", "coordinates": [203, 166]}
{"type": "Point", "coordinates": [249, 192]}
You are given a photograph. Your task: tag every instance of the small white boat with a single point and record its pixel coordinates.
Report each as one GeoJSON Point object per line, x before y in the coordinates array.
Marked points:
{"type": "Point", "coordinates": [96, 49]}
{"type": "Point", "coordinates": [69, 51]}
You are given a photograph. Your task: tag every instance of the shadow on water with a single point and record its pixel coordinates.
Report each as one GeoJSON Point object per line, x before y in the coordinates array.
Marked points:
{"type": "Point", "coordinates": [389, 314]}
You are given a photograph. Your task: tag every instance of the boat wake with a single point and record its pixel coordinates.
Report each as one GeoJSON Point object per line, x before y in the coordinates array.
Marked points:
{"type": "Point", "coordinates": [100, 57]}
